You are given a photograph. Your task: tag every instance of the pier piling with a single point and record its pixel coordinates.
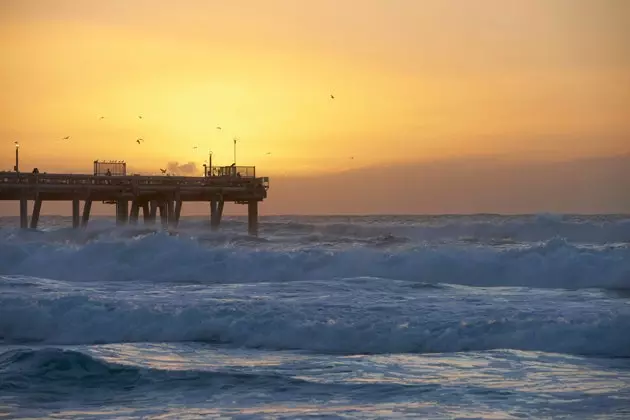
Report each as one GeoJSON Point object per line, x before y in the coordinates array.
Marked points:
{"type": "Point", "coordinates": [178, 211]}
{"type": "Point", "coordinates": [146, 212]}
{"type": "Point", "coordinates": [37, 207]}
{"type": "Point", "coordinates": [134, 213]}
{"type": "Point", "coordinates": [216, 212]}
{"type": "Point", "coordinates": [153, 208]}
{"type": "Point", "coordinates": [163, 213]}
{"type": "Point", "coordinates": [252, 217]}
{"type": "Point", "coordinates": [87, 207]}
{"type": "Point", "coordinates": [122, 210]}
{"type": "Point", "coordinates": [75, 213]}
{"type": "Point", "coordinates": [23, 212]}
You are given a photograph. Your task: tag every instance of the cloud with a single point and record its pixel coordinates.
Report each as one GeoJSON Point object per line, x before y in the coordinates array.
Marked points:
{"type": "Point", "coordinates": [189, 168]}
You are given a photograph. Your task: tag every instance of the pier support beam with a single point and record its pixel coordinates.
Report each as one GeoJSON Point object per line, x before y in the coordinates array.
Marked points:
{"type": "Point", "coordinates": [37, 207]}
{"type": "Point", "coordinates": [178, 211]}
{"type": "Point", "coordinates": [152, 212]}
{"type": "Point", "coordinates": [252, 217]}
{"type": "Point", "coordinates": [23, 213]}
{"type": "Point", "coordinates": [122, 210]}
{"type": "Point", "coordinates": [163, 213]}
{"type": "Point", "coordinates": [216, 213]}
{"type": "Point", "coordinates": [135, 212]}
{"type": "Point", "coordinates": [87, 207]}
{"type": "Point", "coordinates": [146, 213]}
{"type": "Point", "coordinates": [75, 213]}
{"type": "Point", "coordinates": [170, 207]}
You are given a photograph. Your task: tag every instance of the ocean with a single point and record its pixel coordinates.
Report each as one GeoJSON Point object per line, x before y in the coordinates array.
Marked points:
{"type": "Point", "coordinates": [437, 317]}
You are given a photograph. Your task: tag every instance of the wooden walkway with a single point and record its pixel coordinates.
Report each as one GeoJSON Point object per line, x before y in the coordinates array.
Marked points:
{"type": "Point", "coordinates": [130, 194]}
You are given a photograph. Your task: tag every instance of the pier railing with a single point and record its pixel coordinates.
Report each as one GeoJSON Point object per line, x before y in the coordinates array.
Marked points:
{"type": "Point", "coordinates": [11, 178]}
{"type": "Point", "coordinates": [234, 171]}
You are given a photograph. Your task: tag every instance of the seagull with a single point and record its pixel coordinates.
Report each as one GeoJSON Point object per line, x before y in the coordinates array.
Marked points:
{"type": "Point", "coordinates": [140, 116]}
{"type": "Point", "coordinates": [163, 170]}
{"type": "Point", "coordinates": [66, 138]}
{"type": "Point", "coordinates": [139, 140]}
{"type": "Point", "coordinates": [101, 118]}
{"type": "Point", "coordinates": [268, 153]}
{"type": "Point", "coordinates": [332, 96]}
{"type": "Point", "coordinates": [194, 147]}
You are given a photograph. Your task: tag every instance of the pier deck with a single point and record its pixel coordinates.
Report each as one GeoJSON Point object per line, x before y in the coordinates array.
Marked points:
{"type": "Point", "coordinates": [152, 194]}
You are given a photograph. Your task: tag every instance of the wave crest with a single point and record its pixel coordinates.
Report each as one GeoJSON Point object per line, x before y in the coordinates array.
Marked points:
{"type": "Point", "coordinates": [163, 258]}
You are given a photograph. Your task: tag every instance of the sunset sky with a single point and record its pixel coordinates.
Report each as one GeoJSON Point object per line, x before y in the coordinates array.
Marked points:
{"type": "Point", "coordinates": [413, 81]}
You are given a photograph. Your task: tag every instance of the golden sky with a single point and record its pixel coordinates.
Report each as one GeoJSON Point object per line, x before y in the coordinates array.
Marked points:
{"type": "Point", "coordinates": [413, 81]}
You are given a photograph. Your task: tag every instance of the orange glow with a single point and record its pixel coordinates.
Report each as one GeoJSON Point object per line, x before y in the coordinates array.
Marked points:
{"type": "Point", "coordinates": [412, 81]}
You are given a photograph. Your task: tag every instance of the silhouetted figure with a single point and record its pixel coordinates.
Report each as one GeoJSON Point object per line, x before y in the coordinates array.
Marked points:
{"type": "Point", "coordinates": [35, 171]}
{"type": "Point", "coordinates": [108, 173]}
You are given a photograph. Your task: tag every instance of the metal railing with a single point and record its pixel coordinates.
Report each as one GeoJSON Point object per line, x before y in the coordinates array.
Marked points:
{"type": "Point", "coordinates": [110, 167]}
{"type": "Point", "coordinates": [233, 171]}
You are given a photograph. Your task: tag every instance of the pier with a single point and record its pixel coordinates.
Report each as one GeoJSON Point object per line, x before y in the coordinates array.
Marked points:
{"type": "Point", "coordinates": [130, 194]}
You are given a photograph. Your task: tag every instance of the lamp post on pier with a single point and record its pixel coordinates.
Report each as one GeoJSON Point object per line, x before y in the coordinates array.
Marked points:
{"type": "Point", "coordinates": [235, 140]}
{"type": "Point", "coordinates": [17, 156]}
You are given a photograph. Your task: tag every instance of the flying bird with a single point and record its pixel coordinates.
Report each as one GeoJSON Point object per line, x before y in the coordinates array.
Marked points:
{"type": "Point", "coordinates": [163, 170]}
{"type": "Point", "coordinates": [66, 138]}
{"type": "Point", "coordinates": [101, 118]}
{"type": "Point", "coordinates": [218, 128]}
{"type": "Point", "coordinates": [268, 153]}
{"type": "Point", "coordinates": [332, 96]}
{"type": "Point", "coordinates": [140, 116]}
{"type": "Point", "coordinates": [139, 140]}
{"type": "Point", "coordinates": [194, 147]}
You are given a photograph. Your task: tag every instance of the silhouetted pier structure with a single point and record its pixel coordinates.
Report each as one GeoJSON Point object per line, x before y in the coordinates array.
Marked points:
{"type": "Point", "coordinates": [110, 184]}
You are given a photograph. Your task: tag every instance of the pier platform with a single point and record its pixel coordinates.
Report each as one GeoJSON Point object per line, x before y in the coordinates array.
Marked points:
{"type": "Point", "coordinates": [130, 194]}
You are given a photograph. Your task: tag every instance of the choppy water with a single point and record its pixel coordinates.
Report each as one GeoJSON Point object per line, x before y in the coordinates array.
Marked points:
{"type": "Point", "coordinates": [367, 317]}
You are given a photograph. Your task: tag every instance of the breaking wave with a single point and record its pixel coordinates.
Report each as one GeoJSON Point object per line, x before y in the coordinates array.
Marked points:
{"type": "Point", "coordinates": [160, 257]}
{"type": "Point", "coordinates": [434, 322]}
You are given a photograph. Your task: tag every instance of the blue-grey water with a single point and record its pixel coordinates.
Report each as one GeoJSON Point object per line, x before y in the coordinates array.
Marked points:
{"type": "Point", "coordinates": [320, 317]}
